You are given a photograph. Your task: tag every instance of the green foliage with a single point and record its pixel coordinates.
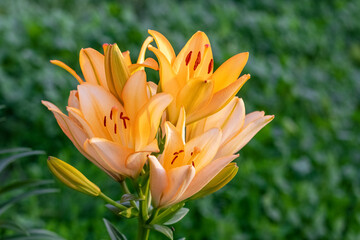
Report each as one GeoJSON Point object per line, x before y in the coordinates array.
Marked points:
{"type": "Point", "coordinates": [298, 179]}
{"type": "Point", "coordinates": [12, 193]}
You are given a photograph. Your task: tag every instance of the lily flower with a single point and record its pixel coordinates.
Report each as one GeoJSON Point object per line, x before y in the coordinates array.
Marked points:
{"type": "Point", "coordinates": [237, 127]}
{"type": "Point", "coordinates": [114, 136]}
{"type": "Point", "coordinates": [190, 78]}
{"type": "Point", "coordinates": [185, 168]}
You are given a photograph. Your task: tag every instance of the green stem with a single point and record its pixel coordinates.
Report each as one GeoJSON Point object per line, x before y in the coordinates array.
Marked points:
{"type": "Point", "coordinates": [154, 214]}
{"type": "Point", "coordinates": [127, 191]}
{"type": "Point", "coordinates": [144, 231]}
{"type": "Point", "coordinates": [112, 202]}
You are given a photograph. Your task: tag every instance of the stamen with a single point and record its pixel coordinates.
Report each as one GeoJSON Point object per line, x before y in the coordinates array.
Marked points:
{"type": "Point", "coordinates": [175, 153]}
{"type": "Point", "coordinates": [211, 65]}
{"type": "Point", "coordinates": [174, 159]}
{"type": "Point", "coordinates": [197, 61]}
{"type": "Point", "coordinates": [104, 121]}
{"type": "Point", "coordinates": [192, 162]}
{"type": "Point", "coordinates": [191, 153]}
{"type": "Point", "coordinates": [115, 128]}
{"type": "Point", "coordinates": [181, 151]}
{"type": "Point", "coordinates": [124, 118]}
{"type": "Point", "coordinates": [111, 114]}
{"type": "Point", "coordinates": [188, 57]}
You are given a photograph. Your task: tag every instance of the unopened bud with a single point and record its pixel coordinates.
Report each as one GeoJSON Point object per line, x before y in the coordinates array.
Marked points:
{"type": "Point", "coordinates": [116, 70]}
{"type": "Point", "coordinates": [71, 177]}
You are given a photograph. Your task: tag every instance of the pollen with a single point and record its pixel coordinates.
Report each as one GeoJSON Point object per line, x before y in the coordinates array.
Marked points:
{"type": "Point", "coordinates": [124, 118]}
{"type": "Point", "coordinates": [104, 121]}
{"type": "Point", "coordinates": [115, 128]}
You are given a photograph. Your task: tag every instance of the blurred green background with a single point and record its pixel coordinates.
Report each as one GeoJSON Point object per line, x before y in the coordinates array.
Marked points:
{"type": "Point", "coordinates": [298, 179]}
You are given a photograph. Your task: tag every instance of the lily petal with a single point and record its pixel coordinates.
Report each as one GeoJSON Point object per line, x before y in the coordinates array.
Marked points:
{"type": "Point", "coordinates": [205, 175]}
{"type": "Point", "coordinates": [179, 179]}
{"type": "Point", "coordinates": [148, 119]}
{"type": "Point", "coordinates": [92, 66]}
{"type": "Point", "coordinates": [68, 69]}
{"type": "Point", "coordinates": [242, 138]}
{"type": "Point", "coordinates": [158, 179]}
{"type": "Point", "coordinates": [229, 71]}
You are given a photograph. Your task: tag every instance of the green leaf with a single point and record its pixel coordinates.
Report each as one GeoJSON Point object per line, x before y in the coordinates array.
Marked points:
{"type": "Point", "coordinates": [9, 203]}
{"type": "Point", "coordinates": [13, 226]}
{"type": "Point", "coordinates": [177, 217]}
{"type": "Point", "coordinates": [6, 161]}
{"type": "Point", "coordinates": [113, 231]}
{"type": "Point", "coordinates": [23, 184]}
{"type": "Point", "coordinates": [13, 150]}
{"type": "Point", "coordinates": [167, 214]}
{"type": "Point", "coordinates": [164, 230]}
{"type": "Point", "coordinates": [36, 234]}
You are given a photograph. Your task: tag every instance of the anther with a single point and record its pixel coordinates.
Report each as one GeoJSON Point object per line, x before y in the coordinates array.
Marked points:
{"type": "Point", "coordinates": [181, 151]}
{"type": "Point", "coordinates": [124, 118]}
{"type": "Point", "coordinates": [115, 128]}
{"type": "Point", "coordinates": [192, 162]}
{"type": "Point", "coordinates": [111, 112]}
{"type": "Point", "coordinates": [211, 65]}
{"type": "Point", "coordinates": [174, 159]}
{"type": "Point", "coordinates": [197, 61]}
{"type": "Point", "coordinates": [188, 57]}
{"type": "Point", "coordinates": [104, 121]}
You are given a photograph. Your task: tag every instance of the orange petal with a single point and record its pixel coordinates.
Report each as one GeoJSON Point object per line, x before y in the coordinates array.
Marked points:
{"type": "Point", "coordinates": [173, 154]}
{"type": "Point", "coordinates": [148, 119]}
{"type": "Point", "coordinates": [242, 138]}
{"type": "Point", "coordinates": [158, 180]}
{"type": "Point", "coordinates": [196, 93]}
{"type": "Point", "coordinates": [92, 66]}
{"type": "Point", "coordinates": [146, 43]}
{"type": "Point", "coordinates": [113, 155]}
{"type": "Point", "coordinates": [204, 176]}
{"type": "Point", "coordinates": [178, 181]}
{"type": "Point", "coordinates": [229, 71]}
{"type": "Point", "coordinates": [163, 45]}
{"type": "Point", "coordinates": [135, 93]}
{"type": "Point", "coordinates": [202, 149]}
{"type": "Point", "coordinates": [219, 100]}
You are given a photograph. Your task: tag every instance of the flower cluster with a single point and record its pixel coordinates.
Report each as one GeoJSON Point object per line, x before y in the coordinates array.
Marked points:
{"type": "Point", "coordinates": [180, 135]}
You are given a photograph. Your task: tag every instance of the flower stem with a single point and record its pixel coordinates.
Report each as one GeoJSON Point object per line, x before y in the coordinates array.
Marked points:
{"type": "Point", "coordinates": [127, 191]}
{"type": "Point", "coordinates": [112, 202]}
{"type": "Point", "coordinates": [143, 230]}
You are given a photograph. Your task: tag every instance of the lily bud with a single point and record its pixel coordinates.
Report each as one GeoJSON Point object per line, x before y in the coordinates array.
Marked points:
{"type": "Point", "coordinates": [116, 70]}
{"type": "Point", "coordinates": [219, 181]}
{"type": "Point", "coordinates": [71, 177]}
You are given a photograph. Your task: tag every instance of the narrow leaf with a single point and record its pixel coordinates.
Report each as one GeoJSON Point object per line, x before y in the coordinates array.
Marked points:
{"type": "Point", "coordinates": [113, 231]}
{"type": "Point", "coordinates": [164, 230]}
{"type": "Point", "coordinates": [22, 184]}
{"type": "Point", "coordinates": [178, 216]}
{"type": "Point", "coordinates": [167, 214]}
{"type": "Point", "coordinates": [6, 161]}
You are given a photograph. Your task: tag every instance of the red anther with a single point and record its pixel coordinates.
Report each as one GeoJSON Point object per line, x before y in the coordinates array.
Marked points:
{"type": "Point", "coordinates": [104, 121]}
{"type": "Point", "coordinates": [115, 128]}
{"type": "Point", "coordinates": [124, 118]}
{"type": "Point", "coordinates": [205, 81]}
{"type": "Point", "coordinates": [176, 153]}
{"type": "Point", "coordinates": [174, 159]}
{"type": "Point", "coordinates": [181, 151]}
{"type": "Point", "coordinates": [207, 45]}
{"type": "Point", "coordinates": [111, 114]}
{"type": "Point", "coordinates": [191, 153]}
{"type": "Point", "coordinates": [192, 162]}
{"type": "Point", "coordinates": [197, 61]}
{"type": "Point", "coordinates": [211, 65]}
{"type": "Point", "coordinates": [188, 57]}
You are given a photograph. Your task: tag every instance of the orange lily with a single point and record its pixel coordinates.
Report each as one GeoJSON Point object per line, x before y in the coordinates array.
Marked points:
{"type": "Point", "coordinates": [116, 137]}
{"type": "Point", "coordinates": [190, 79]}
{"type": "Point", "coordinates": [185, 168]}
